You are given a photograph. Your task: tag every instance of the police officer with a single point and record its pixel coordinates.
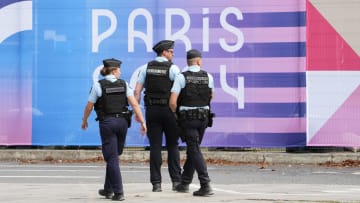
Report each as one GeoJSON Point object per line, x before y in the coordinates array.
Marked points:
{"type": "Point", "coordinates": [157, 78]}
{"type": "Point", "coordinates": [191, 94]}
{"type": "Point", "coordinates": [110, 97]}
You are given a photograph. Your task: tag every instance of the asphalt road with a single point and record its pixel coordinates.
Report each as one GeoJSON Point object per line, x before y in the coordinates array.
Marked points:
{"type": "Point", "coordinates": [47, 182]}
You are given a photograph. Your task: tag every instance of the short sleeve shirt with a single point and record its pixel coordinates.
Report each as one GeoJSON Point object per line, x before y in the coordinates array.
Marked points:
{"type": "Point", "coordinates": [173, 71]}
{"type": "Point", "coordinates": [96, 92]}
{"type": "Point", "coordinates": [179, 84]}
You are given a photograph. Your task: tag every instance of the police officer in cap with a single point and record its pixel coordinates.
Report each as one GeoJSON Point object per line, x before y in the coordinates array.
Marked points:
{"type": "Point", "coordinates": [110, 97]}
{"type": "Point", "coordinates": [190, 99]}
{"type": "Point", "coordinates": [157, 79]}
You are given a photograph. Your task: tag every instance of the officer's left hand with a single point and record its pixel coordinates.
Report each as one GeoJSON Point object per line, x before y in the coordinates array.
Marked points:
{"type": "Point", "coordinates": [137, 119]}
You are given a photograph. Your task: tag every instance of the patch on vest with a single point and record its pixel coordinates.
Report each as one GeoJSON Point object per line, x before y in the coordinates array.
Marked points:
{"type": "Point", "coordinates": [114, 90]}
{"type": "Point", "coordinates": [197, 80]}
{"type": "Point", "coordinates": [156, 72]}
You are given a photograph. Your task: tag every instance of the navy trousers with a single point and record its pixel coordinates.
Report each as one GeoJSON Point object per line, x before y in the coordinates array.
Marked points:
{"type": "Point", "coordinates": [159, 120]}
{"type": "Point", "coordinates": [113, 134]}
{"type": "Point", "coordinates": [194, 132]}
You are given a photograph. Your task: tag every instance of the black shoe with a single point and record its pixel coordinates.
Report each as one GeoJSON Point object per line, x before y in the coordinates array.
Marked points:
{"type": "Point", "coordinates": [118, 197]}
{"type": "Point", "coordinates": [107, 194]}
{"type": "Point", "coordinates": [174, 184]}
{"type": "Point", "coordinates": [205, 190]}
{"type": "Point", "coordinates": [156, 187]}
{"type": "Point", "coordinates": [182, 187]}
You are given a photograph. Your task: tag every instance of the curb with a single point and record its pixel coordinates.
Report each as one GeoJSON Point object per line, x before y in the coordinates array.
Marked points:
{"type": "Point", "coordinates": [212, 156]}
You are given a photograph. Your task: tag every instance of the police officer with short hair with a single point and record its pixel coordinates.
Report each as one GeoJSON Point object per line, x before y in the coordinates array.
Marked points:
{"type": "Point", "coordinates": [110, 97]}
{"type": "Point", "coordinates": [190, 99]}
{"type": "Point", "coordinates": [157, 79]}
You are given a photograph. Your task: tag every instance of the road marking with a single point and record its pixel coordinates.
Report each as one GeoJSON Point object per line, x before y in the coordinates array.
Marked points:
{"type": "Point", "coordinates": [325, 172]}
{"type": "Point", "coordinates": [257, 193]}
{"type": "Point", "coordinates": [77, 177]}
{"type": "Point", "coordinates": [64, 170]}
{"type": "Point", "coordinates": [216, 189]}
{"type": "Point", "coordinates": [268, 194]}
{"type": "Point", "coordinates": [335, 191]}
{"type": "Point", "coordinates": [226, 191]}
{"type": "Point", "coordinates": [68, 166]}
{"type": "Point", "coordinates": [348, 190]}
{"type": "Point", "coordinates": [332, 172]}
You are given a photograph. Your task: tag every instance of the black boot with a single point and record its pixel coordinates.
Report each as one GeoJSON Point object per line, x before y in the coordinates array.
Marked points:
{"type": "Point", "coordinates": [174, 185]}
{"type": "Point", "coordinates": [118, 197]}
{"type": "Point", "coordinates": [205, 190]}
{"type": "Point", "coordinates": [156, 187]}
{"type": "Point", "coordinates": [107, 194]}
{"type": "Point", "coordinates": [182, 187]}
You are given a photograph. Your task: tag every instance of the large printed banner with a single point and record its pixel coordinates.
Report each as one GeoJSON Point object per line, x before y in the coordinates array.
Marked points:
{"type": "Point", "coordinates": [333, 73]}
{"type": "Point", "coordinates": [53, 50]}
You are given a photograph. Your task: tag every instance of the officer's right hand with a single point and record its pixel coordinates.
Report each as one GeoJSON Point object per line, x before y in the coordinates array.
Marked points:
{"type": "Point", "coordinates": [176, 116]}
{"type": "Point", "coordinates": [84, 124]}
{"type": "Point", "coordinates": [143, 128]}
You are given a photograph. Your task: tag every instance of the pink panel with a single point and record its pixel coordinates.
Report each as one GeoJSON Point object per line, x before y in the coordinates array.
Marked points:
{"type": "Point", "coordinates": [326, 49]}
{"type": "Point", "coordinates": [343, 128]}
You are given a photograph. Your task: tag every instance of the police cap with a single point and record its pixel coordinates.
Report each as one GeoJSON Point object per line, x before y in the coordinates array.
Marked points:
{"type": "Point", "coordinates": [163, 45]}
{"type": "Point", "coordinates": [193, 53]}
{"type": "Point", "coordinates": [111, 63]}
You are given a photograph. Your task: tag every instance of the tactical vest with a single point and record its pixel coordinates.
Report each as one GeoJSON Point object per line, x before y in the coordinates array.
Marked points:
{"type": "Point", "coordinates": [113, 99]}
{"type": "Point", "coordinates": [157, 83]}
{"type": "Point", "coordinates": [196, 92]}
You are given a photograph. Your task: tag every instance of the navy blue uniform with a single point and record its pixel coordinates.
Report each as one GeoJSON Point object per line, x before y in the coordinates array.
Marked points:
{"type": "Point", "coordinates": [157, 78]}
{"type": "Point", "coordinates": [110, 98]}
{"type": "Point", "coordinates": [113, 128]}
{"type": "Point", "coordinates": [113, 133]}
{"type": "Point", "coordinates": [190, 100]}
{"type": "Point", "coordinates": [196, 87]}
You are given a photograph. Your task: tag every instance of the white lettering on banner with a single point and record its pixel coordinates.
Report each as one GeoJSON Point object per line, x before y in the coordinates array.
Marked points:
{"type": "Point", "coordinates": [180, 34]}
{"type": "Point", "coordinates": [206, 30]}
{"type": "Point", "coordinates": [96, 37]}
{"type": "Point", "coordinates": [232, 29]}
{"type": "Point", "coordinates": [146, 37]}
{"type": "Point", "coordinates": [239, 93]}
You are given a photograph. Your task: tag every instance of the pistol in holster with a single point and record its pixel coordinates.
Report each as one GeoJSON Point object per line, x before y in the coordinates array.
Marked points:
{"type": "Point", "coordinates": [210, 118]}
{"type": "Point", "coordinates": [179, 131]}
{"type": "Point", "coordinates": [127, 115]}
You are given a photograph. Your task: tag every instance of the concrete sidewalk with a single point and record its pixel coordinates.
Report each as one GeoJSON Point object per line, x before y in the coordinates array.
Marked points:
{"type": "Point", "coordinates": [212, 156]}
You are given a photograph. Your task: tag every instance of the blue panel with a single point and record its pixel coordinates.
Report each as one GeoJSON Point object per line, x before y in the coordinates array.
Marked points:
{"type": "Point", "coordinates": [275, 19]}
{"type": "Point", "coordinates": [264, 79]}
{"type": "Point", "coordinates": [260, 110]}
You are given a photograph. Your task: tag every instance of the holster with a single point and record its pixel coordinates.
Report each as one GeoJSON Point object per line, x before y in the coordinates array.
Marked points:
{"type": "Point", "coordinates": [100, 117]}
{"type": "Point", "coordinates": [179, 131]}
{"type": "Point", "coordinates": [127, 115]}
{"type": "Point", "coordinates": [210, 118]}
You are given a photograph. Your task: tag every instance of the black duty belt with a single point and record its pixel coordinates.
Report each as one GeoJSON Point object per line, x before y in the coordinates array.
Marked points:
{"type": "Point", "coordinates": [157, 102]}
{"type": "Point", "coordinates": [116, 115]}
{"type": "Point", "coordinates": [194, 114]}
{"type": "Point", "coordinates": [126, 114]}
